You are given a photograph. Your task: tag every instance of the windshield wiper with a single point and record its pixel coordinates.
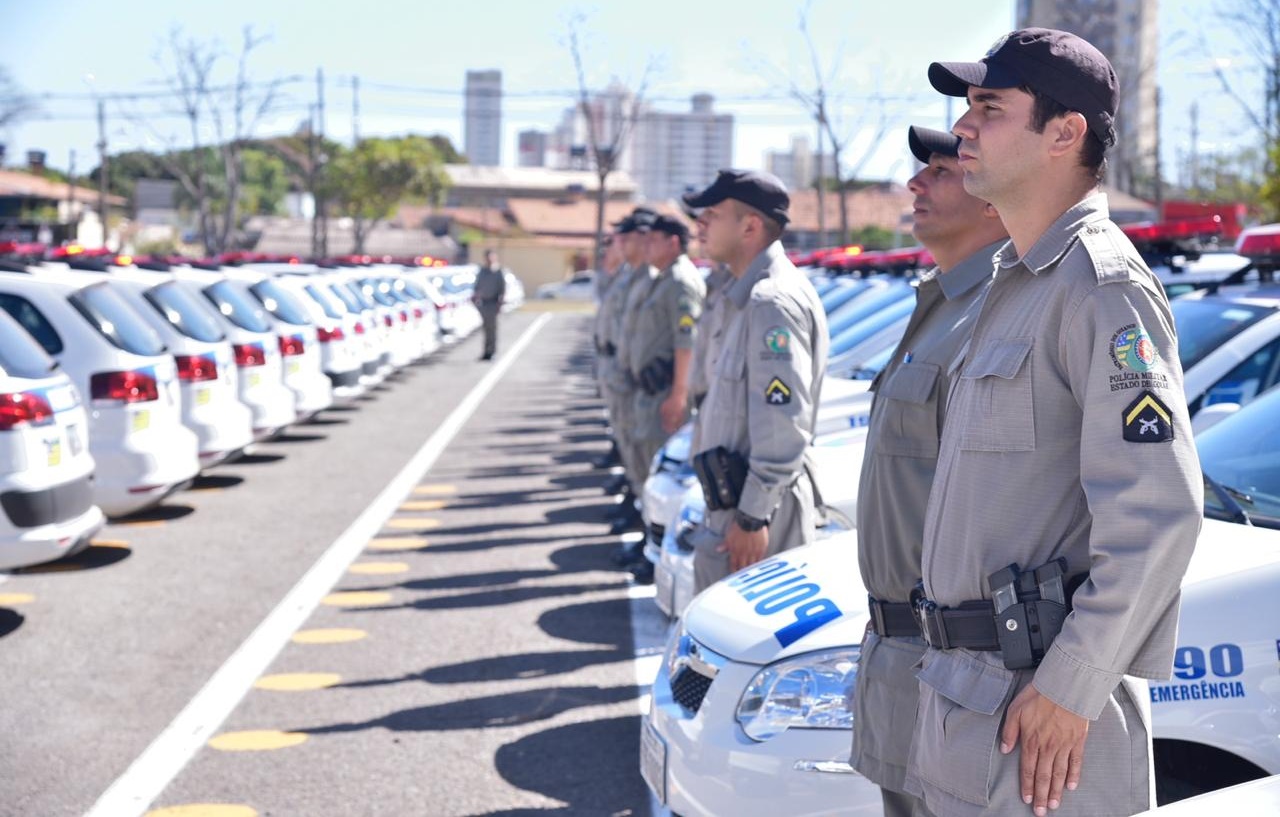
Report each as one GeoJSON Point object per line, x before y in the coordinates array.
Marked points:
{"type": "Point", "coordinates": [1230, 499]}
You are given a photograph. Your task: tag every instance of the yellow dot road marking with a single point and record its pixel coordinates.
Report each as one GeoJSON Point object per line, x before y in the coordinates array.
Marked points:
{"type": "Point", "coordinates": [435, 490]}
{"type": "Point", "coordinates": [356, 598]}
{"type": "Point", "coordinates": [335, 635]}
{"type": "Point", "coordinates": [10, 599]}
{"type": "Point", "coordinates": [424, 505]}
{"type": "Point", "coordinates": [143, 523]}
{"type": "Point", "coordinates": [379, 568]}
{"type": "Point", "coordinates": [397, 543]}
{"type": "Point", "coordinates": [409, 523]}
{"type": "Point", "coordinates": [256, 740]}
{"type": "Point", "coordinates": [298, 681]}
{"type": "Point", "coordinates": [109, 543]}
{"type": "Point", "coordinates": [204, 810]}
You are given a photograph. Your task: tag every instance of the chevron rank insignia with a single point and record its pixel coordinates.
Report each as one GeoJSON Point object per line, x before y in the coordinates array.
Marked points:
{"type": "Point", "coordinates": [1147, 420]}
{"type": "Point", "coordinates": [777, 393]}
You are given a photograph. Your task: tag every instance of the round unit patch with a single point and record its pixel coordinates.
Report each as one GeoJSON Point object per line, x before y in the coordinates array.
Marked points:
{"type": "Point", "coordinates": [778, 340]}
{"type": "Point", "coordinates": [1132, 349]}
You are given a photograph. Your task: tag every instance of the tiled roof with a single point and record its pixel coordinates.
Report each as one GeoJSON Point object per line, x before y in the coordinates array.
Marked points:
{"type": "Point", "coordinates": [19, 183]}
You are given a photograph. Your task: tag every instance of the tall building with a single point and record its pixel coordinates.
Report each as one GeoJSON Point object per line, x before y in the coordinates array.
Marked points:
{"type": "Point", "coordinates": [531, 148]}
{"type": "Point", "coordinates": [797, 168]}
{"type": "Point", "coordinates": [482, 118]}
{"type": "Point", "coordinates": [1124, 30]}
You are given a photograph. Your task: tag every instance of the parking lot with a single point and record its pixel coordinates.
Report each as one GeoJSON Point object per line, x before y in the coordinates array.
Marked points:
{"type": "Point", "coordinates": [405, 606]}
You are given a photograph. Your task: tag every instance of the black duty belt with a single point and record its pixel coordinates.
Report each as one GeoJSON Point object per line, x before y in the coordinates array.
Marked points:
{"type": "Point", "coordinates": [970, 626]}
{"type": "Point", "coordinates": [893, 619]}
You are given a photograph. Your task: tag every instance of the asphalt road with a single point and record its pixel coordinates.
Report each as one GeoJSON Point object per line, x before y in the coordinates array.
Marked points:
{"type": "Point", "coordinates": [488, 666]}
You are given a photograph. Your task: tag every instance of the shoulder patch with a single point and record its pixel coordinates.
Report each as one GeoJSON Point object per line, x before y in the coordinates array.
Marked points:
{"type": "Point", "coordinates": [1147, 420]}
{"type": "Point", "coordinates": [686, 324]}
{"type": "Point", "coordinates": [777, 393]}
{"type": "Point", "coordinates": [1109, 250]}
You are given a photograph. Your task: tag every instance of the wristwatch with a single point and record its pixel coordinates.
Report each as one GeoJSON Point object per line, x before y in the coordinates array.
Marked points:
{"type": "Point", "coordinates": [749, 523]}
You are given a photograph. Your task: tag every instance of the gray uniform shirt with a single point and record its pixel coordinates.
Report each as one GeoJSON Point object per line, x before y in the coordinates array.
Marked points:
{"type": "Point", "coordinates": [767, 373]}
{"type": "Point", "coordinates": [612, 371]}
{"type": "Point", "coordinates": [643, 279]}
{"type": "Point", "coordinates": [667, 318]}
{"type": "Point", "coordinates": [491, 285]}
{"type": "Point", "coordinates": [906, 423]}
{"type": "Point", "coordinates": [708, 327]}
{"type": "Point", "coordinates": [1067, 435]}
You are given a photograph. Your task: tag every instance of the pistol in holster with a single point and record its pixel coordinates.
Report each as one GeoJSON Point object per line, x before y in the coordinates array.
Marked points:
{"type": "Point", "coordinates": [722, 474]}
{"type": "Point", "coordinates": [1030, 607]}
{"type": "Point", "coordinates": [656, 376]}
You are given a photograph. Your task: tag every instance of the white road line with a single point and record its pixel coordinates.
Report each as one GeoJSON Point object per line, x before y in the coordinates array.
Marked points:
{"type": "Point", "coordinates": [153, 770]}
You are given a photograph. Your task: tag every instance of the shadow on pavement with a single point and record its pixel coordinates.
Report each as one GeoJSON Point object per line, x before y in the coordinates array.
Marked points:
{"type": "Point", "coordinates": [259, 459]}
{"type": "Point", "coordinates": [206, 482]}
{"type": "Point", "coordinates": [593, 766]}
{"type": "Point", "coordinates": [494, 711]}
{"type": "Point", "coordinates": [294, 437]}
{"type": "Point", "coordinates": [490, 598]}
{"type": "Point", "coordinates": [91, 558]}
{"type": "Point", "coordinates": [159, 513]}
{"type": "Point", "coordinates": [593, 622]}
{"type": "Point", "coordinates": [10, 620]}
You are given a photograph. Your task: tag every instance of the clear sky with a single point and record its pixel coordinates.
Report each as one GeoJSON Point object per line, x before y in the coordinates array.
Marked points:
{"type": "Point", "coordinates": [411, 58]}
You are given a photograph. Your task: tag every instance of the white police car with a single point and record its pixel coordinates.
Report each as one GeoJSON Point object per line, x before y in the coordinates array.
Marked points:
{"type": "Point", "coordinates": [46, 505]}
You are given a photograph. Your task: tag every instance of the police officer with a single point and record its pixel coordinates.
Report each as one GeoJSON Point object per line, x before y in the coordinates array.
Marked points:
{"type": "Point", "coordinates": [769, 359]}
{"type": "Point", "coordinates": [1067, 438]}
{"type": "Point", "coordinates": [625, 296]}
{"type": "Point", "coordinates": [717, 282]}
{"type": "Point", "coordinates": [907, 413]}
{"type": "Point", "coordinates": [490, 289]}
{"type": "Point", "coordinates": [611, 264]}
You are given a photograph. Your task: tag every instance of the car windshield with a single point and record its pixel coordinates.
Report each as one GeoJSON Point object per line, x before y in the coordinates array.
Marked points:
{"type": "Point", "coordinates": [237, 305]}
{"type": "Point", "coordinates": [332, 306]}
{"type": "Point", "coordinates": [180, 308]}
{"type": "Point", "coordinates": [1204, 324]}
{"type": "Point", "coordinates": [865, 304]}
{"type": "Point", "coordinates": [346, 294]}
{"type": "Point", "coordinates": [281, 302]}
{"type": "Point", "coordinates": [20, 355]}
{"type": "Point", "coordinates": [1242, 455]}
{"type": "Point", "coordinates": [851, 336]}
{"type": "Point", "coordinates": [31, 319]}
{"type": "Point", "coordinates": [116, 321]}
{"type": "Point", "coordinates": [378, 291]}
{"type": "Point", "coordinates": [842, 293]}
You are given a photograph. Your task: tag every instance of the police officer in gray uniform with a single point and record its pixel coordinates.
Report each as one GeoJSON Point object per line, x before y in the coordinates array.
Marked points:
{"type": "Point", "coordinates": [490, 289]}
{"type": "Point", "coordinates": [1067, 497]}
{"type": "Point", "coordinates": [717, 282]}
{"type": "Point", "coordinates": [661, 346]}
{"type": "Point", "coordinates": [907, 416]}
{"type": "Point", "coordinates": [769, 359]}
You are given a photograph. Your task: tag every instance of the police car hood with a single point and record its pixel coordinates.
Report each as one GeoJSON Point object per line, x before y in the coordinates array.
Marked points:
{"type": "Point", "coordinates": [1224, 548]}
{"type": "Point", "coordinates": [806, 599]}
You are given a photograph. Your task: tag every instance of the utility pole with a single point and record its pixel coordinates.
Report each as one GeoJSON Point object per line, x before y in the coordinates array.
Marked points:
{"type": "Point", "coordinates": [102, 169]}
{"type": "Point", "coordinates": [311, 181]}
{"type": "Point", "coordinates": [1195, 148]}
{"type": "Point", "coordinates": [71, 196]}
{"type": "Point", "coordinates": [822, 208]}
{"type": "Point", "coordinates": [1159, 180]}
{"type": "Point", "coordinates": [321, 218]}
{"type": "Point", "coordinates": [355, 112]}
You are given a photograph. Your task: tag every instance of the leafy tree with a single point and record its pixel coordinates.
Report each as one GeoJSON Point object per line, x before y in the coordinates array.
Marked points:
{"type": "Point", "coordinates": [367, 182]}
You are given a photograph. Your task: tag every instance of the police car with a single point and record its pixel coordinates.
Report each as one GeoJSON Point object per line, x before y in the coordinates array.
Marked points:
{"type": "Point", "coordinates": [46, 506]}
{"type": "Point", "coordinates": [750, 702]}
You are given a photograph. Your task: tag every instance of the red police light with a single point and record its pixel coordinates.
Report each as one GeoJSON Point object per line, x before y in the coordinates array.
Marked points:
{"type": "Point", "coordinates": [1260, 243]}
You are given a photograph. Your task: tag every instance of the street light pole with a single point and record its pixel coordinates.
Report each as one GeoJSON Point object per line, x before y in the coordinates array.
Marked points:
{"type": "Point", "coordinates": [102, 169]}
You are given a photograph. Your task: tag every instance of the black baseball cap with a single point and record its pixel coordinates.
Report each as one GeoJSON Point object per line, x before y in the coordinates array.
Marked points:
{"type": "Point", "coordinates": [1058, 64]}
{"type": "Point", "coordinates": [763, 191]}
{"type": "Point", "coordinates": [670, 226]}
{"type": "Point", "coordinates": [925, 142]}
{"type": "Point", "coordinates": [638, 220]}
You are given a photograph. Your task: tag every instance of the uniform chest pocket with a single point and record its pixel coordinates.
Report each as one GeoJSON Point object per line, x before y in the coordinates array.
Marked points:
{"type": "Point", "coordinates": [998, 411]}
{"type": "Point", "coordinates": [908, 404]}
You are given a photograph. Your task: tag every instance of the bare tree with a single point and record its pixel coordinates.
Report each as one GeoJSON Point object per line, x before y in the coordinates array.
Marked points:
{"type": "Point", "coordinates": [873, 115]}
{"type": "Point", "coordinates": [1255, 24]}
{"type": "Point", "coordinates": [15, 104]}
{"type": "Point", "coordinates": [608, 132]}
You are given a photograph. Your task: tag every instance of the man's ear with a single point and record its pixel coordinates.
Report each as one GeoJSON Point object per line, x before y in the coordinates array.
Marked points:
{"type": "Point", "coordinates": [989, 211]}
{"type": "Point", "coordinates": [1066, 133]}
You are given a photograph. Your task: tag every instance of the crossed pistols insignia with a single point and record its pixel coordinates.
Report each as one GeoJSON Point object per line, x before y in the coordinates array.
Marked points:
{"type": "Point", "coordinates": [1147, 420]}
{"type": "Point", "coordinates": [777, 393]}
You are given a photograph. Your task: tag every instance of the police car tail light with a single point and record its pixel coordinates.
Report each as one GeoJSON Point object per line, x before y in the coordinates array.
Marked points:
{"type": "Point", "coordinates": [196, 368]}
{"type": "Point", "coordinates": [418, 313]}
{"type": "Point", "coordinates": [250, 354]}
{"type": "Point", "coordinates": [124, 387]}
{"type": "Point", "coordinates": [404, 316]}
{"type": "Point", "coordinates": [291, 345]}
{"type": "Point", "coordinates": [329, 335]}
{"type": "Point", "coordinates": [359, 328]}
{"type": "Point", "coordinates": [24, 407]}
{"type": "Point", "coordinates": [812, 691]}
{"type": "Point", "coordinates": [388, 320]}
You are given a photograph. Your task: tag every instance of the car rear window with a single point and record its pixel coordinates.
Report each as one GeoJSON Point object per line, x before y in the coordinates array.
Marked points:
{"type": "Point", "coordinates": [377, 291]}
{"type": "Point", "coordinates": [281, 302]}
{"type": "Point", "coordinates": [331, 308]}
{"type": "Point", "coordinates": [31, 319]}
{"type": "Point", "coordinates": [115, 320]}
{"type": "Point", "coordinates": [180, 308]}
{"type": "Point", "coordinates": [1205, 324]}
{"type": "Point", "coordinates": [348, 297]}
{"type": "Point", "coordinates": [240, 308]}
{"type": "Point", "coordinates": [20, 354]}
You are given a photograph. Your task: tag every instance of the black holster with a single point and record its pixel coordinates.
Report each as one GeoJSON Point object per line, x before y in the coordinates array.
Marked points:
{"type": "Point", "coordinates": [1030, 607]}
{"type": "Point", "coordinates": [722, 474]}
{"type": "Point", "coordinates": [656, 376]}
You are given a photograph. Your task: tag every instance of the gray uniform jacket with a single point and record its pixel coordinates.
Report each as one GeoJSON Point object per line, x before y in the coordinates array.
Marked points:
{"type": "Point", "coordinates": [491, 285]}
{"type": "Point", "coordinates": [766, 378]}
{"type": "Point", "coordinates": [666, 321]}
{"type": "Point", "coordinates": [708, 326]}
{"type": "Point", "coordinates": [897, 472]}
{"type": "Point", "coordinates": [1067, 435]}
{"type": "Point", "coordinates": [612, 372]}
{"type": "Point", "coordinates": [643, 279]}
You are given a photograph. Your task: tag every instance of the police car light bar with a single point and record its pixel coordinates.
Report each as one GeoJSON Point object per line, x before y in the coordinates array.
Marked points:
{"type": "Point", "coordinates": [1260, 244]}
{"type": "Point", "coordinates": [1169, 231]}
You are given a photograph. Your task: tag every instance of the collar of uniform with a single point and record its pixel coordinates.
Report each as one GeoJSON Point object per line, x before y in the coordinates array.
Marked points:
{"type": "Point", "coordinates": [970, 272]}
{"type": "Point", "coordinates": [1058, 238]}
{"type": "Point", "coordinates": [740, 290]}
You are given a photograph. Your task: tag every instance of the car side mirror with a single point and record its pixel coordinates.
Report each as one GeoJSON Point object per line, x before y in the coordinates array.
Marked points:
{"type": "Point", "coordinates": [1211, 415]}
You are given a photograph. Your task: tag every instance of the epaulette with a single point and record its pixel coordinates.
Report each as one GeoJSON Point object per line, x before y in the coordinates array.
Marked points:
{"type": "Point", "coordinates": [1108, 249]}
